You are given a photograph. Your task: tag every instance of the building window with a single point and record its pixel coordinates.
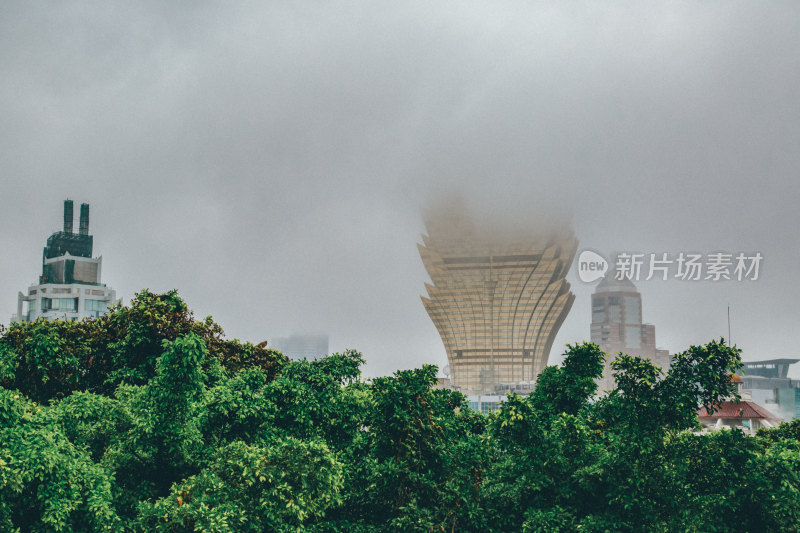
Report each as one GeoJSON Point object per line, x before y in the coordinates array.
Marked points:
{"type": "Point", "coordinates": [598, 309]}
{"type": "Point", "coordinates": [95, 308]}
{"type": "Point", "coordinates": [633, 337]}
{"type": "Point", "coordinates": [633, 311]}
{"type": "Point", "coordinates": [68, 305]}
{"type": "Point", "coordinates": [488, 407]}
{"type": "Point", "coordinates": [95, 305]}
{"type": "Point", "coordinates": [30, 312]}
{"type": "Point", "coordinates": [615, 313]}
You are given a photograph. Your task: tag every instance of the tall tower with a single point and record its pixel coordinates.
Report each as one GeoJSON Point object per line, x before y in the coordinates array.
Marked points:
{"type": "Point", "coordinates": [497, 297]}
{"type": "Point", "coordinates": [69, 286]}
{"type": "Point", "coordinates": [617, 326]}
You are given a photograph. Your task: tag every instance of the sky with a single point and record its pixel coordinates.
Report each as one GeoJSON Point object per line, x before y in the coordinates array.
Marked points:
{"type": "Point", "coordinates": [272, 160]}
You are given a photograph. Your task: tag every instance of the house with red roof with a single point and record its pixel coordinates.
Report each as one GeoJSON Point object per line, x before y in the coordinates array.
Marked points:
{"type": "Point", "coordinates": [744, 414]}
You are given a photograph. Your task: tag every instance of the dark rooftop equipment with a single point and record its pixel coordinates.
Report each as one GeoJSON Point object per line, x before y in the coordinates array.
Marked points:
{"type": "Point", "coordinates": [59, 257]}
{"type": "Point", "coordinates": [68, 216]}
{"type": "Point", "coordinates": [66, 242]}
{"type": "Point", "coordinates": [83, 229]}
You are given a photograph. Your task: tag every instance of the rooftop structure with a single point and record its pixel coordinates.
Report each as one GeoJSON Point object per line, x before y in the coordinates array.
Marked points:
{"type": "Point", "coordinates": [745, 414]}
{"type": "Point", "coordinates": [497, 298]}
{"type": "Point", "coordinates": [69, 285]}
{"type": "Point", "coordinates": [769, 384]}
{"type": "Point", "coordinates": [770, 368]}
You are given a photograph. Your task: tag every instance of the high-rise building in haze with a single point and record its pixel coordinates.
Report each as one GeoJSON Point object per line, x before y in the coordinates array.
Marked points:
{"type": "Point", "coordinates": [617, 325]}
{"type": "Point", "coordinates": [497, 298]}
{"type": "Point", "coordinates": [302, 346]}
{"type": "Point", "coordinates": [69, 287]}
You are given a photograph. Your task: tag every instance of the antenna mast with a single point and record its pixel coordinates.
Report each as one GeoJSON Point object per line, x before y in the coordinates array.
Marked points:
{"type": "Point", "coordinates": [730, 343]}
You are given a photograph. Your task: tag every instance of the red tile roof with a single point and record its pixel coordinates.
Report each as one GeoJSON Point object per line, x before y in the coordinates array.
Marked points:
{"type": "Point", "coordinates": [738, 410]}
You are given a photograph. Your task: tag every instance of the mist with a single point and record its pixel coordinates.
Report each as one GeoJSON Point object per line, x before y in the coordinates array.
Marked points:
{"type": "Point", "coordinates": [273, 162]}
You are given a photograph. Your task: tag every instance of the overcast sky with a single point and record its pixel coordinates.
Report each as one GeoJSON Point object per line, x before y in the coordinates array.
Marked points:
{"type": "Point", "coordinates": [271, 160]}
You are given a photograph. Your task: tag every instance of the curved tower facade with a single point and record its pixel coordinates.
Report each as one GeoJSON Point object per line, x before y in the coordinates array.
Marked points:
{"type": "Point", "coordinates": [497, 298]}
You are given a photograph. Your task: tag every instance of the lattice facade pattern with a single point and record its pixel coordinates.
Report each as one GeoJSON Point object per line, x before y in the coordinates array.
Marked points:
{"type": "Point", "coordinates": [497, 300]}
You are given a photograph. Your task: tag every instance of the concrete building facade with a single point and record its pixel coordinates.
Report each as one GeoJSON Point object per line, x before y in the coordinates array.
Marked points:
{"type": "Point", "coordinates": [768, 383]}
{"type": "Point", "coordinates": [617, 326]}
{"type": "Point", "coordinates": [69, 287]}
{"type": "Point", "coordinates": [497, 298]}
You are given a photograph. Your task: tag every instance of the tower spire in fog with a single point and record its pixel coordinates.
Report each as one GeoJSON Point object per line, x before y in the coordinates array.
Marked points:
{"type": "Point", "coordinates": [498, 296]}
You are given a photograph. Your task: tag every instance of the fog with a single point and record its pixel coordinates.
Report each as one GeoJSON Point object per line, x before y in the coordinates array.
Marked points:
{"type": "Point", "coordinates": [272, 161]}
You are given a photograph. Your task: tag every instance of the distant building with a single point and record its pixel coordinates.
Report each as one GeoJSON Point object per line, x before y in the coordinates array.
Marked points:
{"type": "Point", "coordinates": [302, 346]}
{"type": "Point", "coordinates": [769, 368]}
{"type": "Point", "coordinates": [485, 403]}
{"type": "Point", "coordinates": [617, 326]}
{"type": "Point", "coordinates": [769, 384]}
{"type": "Point", "coordinates": [69, 287]}
{"type": "Point", "coordinates": [745, 414]}
{"type": "Point", "coordinates": [443, 383]}
{"type": "Point", "coordinates": [498, 296]}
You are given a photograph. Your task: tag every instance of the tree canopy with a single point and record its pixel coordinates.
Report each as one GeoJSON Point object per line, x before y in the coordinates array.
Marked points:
{"type": "Point", "coordinates": [148, 419]}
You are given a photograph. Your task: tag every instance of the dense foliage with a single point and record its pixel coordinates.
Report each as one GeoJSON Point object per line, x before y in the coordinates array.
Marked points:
{"type": "Point", "coordinates": [149, 420]}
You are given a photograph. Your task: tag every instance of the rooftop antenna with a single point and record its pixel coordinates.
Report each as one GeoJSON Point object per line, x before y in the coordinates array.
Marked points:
{"type": "Point", "coordinates": [730, 342]}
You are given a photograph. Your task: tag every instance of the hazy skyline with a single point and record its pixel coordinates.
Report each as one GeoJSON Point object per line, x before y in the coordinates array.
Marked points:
{"type": "Point", "coordinates": [272, 161]}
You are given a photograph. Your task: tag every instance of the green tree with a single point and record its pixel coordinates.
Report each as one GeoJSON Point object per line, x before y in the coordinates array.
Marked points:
{"type": "Point", "coordinates": [50, 359]}
{"type": "Point", "coordinates": [550, 457]}
{"type": "Point", "coordinates": [245, 488]}
{"type": "Point", "coordinates": [149, 420]}
{"type": "Point", "coordinates": [46, 482]}
{"type": "Point", "coordinates": [421, 460]}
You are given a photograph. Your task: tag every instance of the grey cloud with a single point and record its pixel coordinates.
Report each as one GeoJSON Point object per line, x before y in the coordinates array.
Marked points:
{"type": "Point", "coordinates": [271, 160]}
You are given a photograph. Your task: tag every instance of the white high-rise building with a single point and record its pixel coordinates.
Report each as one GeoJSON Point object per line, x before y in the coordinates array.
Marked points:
{"type": "Point", "coordinates": [69, 287]}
